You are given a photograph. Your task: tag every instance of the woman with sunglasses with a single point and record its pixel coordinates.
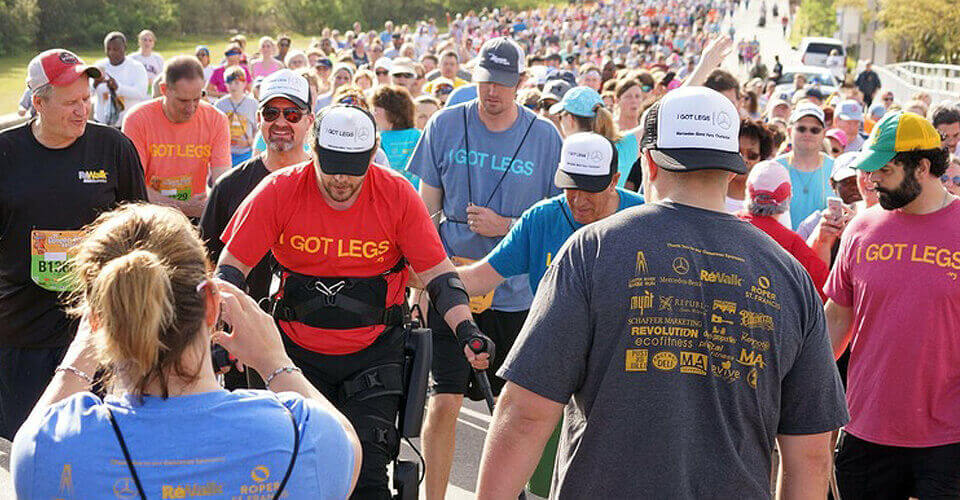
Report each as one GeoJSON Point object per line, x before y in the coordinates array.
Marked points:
{"type": "Point", "coordinates": [951, 178]}
{"type": "Point", "coordinates": [217, 85]}
{"type": "Point", "coordinates": [756, 144]}
{"type": "Point", "coordinates": [341, 75]}
{"type": "Point", "coordinates": [149, 311]}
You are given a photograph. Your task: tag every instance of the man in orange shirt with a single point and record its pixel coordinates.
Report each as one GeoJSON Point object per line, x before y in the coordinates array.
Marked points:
{"type": "Point", "coordinates": [183, 141]}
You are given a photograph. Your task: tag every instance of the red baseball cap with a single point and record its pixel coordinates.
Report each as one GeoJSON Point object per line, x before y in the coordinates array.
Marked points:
{"type": "Point", "coordinates": [58, 67]}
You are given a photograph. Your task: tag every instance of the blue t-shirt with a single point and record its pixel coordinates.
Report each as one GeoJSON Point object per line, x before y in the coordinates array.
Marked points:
{"type": "Point", "coordinates": [628, 150]}
{"type": "Point", "coordinates": [810, 189]}
{"type": "Point", "coordinates": [217, 444]}
{"type": "Point", "coordinates": [461, 95]}
{"type": "Point", "coordinates": [489, 176]}
{"type": "Point", "coordinates": [539, 234]}
{"type": "Point", "coordinates": [398, 145]}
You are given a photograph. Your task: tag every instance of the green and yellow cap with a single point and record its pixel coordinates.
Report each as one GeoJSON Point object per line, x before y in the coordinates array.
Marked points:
{"type": "Point", "coordinates": [894, 133]}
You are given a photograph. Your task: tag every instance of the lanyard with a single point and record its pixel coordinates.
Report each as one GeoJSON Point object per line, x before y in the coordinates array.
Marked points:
{"type": "Point", "coordinates": [567, 217]}
{"type": "Point", "coordinates": [466, 140]}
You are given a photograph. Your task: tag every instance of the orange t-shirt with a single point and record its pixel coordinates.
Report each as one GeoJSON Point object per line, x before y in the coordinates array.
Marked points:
{"type": "Point", "coordinates": [287, 214]}
{"type": "Point", "coordinates": [177, 157]}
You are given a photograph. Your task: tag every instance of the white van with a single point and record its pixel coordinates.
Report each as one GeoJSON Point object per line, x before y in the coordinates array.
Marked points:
{"type": "Point", "coordinates": [814, 50]}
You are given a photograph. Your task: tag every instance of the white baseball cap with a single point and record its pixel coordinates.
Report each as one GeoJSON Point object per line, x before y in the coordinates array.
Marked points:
{"type": "Point", "coordinates": [807, 109]}
{"type": "Point", "coordinates": [693, 128]}
{"type": "Point", "coordinates": [346, 136]}
{"type": "Point", "coordinates": [285, 83]}
{"type": "Point", "coordinates": [843, 166]}
{"type": "Point", "coordinates": [587, 162]}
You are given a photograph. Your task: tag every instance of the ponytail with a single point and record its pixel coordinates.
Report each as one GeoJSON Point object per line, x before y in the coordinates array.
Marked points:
{"type": "Point", "coordinates": [136, 273]}
{"type": "Point", "coordinates": [601, 123]}
{"type": "Point", "coordinates": [604, 125]}
{"type": "Point", "coordinates": [133, 299]}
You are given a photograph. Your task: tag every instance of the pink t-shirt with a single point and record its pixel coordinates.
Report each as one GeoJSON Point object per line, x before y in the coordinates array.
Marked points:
{"type": "Point", "coordinates": [901, 275]}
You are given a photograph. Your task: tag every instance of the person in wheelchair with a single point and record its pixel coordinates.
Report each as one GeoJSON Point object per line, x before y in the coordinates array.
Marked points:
{"type": "Point", "coordinates": [347, 234]}
{"type": "Point", "coordinates": [167, 429]}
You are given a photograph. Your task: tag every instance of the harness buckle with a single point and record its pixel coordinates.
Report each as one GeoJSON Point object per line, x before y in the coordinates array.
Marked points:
{"type": "Point", "coordinates": [329, 292]}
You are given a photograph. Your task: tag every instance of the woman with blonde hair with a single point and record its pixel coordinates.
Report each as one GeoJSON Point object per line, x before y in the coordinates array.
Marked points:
{"type": "Point", "coordinates": [266, 63]}
{"type": "Point", "coordinates": [149, 310]}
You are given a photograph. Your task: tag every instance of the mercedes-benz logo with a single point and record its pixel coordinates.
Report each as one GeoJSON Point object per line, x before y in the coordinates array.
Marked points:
{"type": "Point", "coordinates": [596, 156]}
{"type": "Point", "coordinates": [362, 134]}
{"type": "Point", "coordinates": [681, 266]}
{"type": "Point", "coordinates": [723, 120]}
{"type": "Point", "coordinates": [124, 488]}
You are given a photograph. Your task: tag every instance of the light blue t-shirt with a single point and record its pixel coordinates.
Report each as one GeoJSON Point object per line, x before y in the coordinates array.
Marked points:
{"type": "Point", "coordinates": [628, 150]}
{"type": "Point", "coordinates": [217, 444]}
{"type": "Point", "coordinates": [535, 239]}
{"type": "Point", "coordinates": [461, 95]}
{"type": "Point", "coordinates": [810, 189]}
{"type": "Point", "coordinates": [441, 160]}
{"type": "Point", "coordinates": [399, 145]}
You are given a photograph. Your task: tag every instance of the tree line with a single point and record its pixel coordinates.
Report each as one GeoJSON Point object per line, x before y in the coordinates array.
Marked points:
{"type": "Point", "coordinates": [36, 24]}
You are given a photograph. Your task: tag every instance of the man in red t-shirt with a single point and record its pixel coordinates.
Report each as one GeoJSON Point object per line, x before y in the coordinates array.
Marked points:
{"type": "Point", "coordinates": [347, 235]}
{"type": "Point", "coordinates": [895, 299]}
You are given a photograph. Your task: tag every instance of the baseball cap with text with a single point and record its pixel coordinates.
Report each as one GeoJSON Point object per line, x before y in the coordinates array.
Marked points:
{"type": "Point", "coordinates": [285, 83]}
{"type": "Point", "coordinates": [896, 132]}
{"type": "Point", "coordinates": [57, 67]}
{"type": "Point", "coordinates": [346, 136]}
{"type": "Point", "coordinates": [501, 62]}
{"type": "Point", "coordinates": [693, 128]}
{"type": "Point", "coordinates": [587, 162]}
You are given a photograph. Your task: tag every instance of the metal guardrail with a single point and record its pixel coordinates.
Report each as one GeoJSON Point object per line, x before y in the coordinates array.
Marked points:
{"type": "Point", "coordinates": [931, 77]}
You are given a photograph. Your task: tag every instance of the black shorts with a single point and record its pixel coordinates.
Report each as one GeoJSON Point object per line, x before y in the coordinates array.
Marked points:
{"type": "Point", "coordinates": [24, 375]}
{"type": "Point", "coordinates": [450, 372]}
{"type": "Point", "coordinates": [867, 470]}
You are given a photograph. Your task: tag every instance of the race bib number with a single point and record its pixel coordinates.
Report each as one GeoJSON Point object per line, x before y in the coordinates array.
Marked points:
{"type": "Point", "coordinates": [479, 303]}
{"type": "Point", "coordinates": [174, 187]}
{"type": "Point", "coordinates": [50, 253]}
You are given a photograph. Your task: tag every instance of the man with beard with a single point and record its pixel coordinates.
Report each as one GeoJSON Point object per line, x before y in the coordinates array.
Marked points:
{"type": "Point", "coordinates": [895, 298]}
{"type": "Point", "coordinates": [284, 120]}
{"type": "Point", "coordinates": [346, 234]}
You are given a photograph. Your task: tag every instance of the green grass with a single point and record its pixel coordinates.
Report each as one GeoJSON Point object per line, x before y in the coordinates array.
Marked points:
{"type": "Point", "coordinates": [13, 69]}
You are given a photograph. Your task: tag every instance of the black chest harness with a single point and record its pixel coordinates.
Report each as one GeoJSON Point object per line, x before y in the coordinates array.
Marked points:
{"type": "Point", "coordinates": [337, 303]}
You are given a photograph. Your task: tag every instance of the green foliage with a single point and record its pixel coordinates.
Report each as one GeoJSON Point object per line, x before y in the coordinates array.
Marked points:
{"type": "Point", "coordinates": [814, 18]}
{"type": "Point", "coordinates": [18, 24]}
{"type": "Point", "coordinates": [926, 31]}
{"type": "Point", "coordinates": [83, 23]}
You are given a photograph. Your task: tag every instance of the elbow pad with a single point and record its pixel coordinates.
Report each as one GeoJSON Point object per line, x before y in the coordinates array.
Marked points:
{"type": "Point", "coordinates": [446, 292]}
{"type": "Point", "coordinates": [232, 275]}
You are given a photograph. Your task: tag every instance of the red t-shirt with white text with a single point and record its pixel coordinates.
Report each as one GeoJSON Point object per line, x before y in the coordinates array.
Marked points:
{"type": "Point", "coordinates": [288, 215]}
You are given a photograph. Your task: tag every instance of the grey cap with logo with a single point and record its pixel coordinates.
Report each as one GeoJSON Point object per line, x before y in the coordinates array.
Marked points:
{"type": "Point", "coordinates": [501, 61]}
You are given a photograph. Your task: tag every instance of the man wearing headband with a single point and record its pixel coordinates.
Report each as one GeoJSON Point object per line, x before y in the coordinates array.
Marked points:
{"type": "Point", "coordinates": [347, 234]}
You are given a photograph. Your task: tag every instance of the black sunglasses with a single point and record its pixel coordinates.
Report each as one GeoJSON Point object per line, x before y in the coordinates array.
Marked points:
{"type": "Point", "coordinates": [751, 156]}
{"type": "Point", "coordinates": [291, 115]}
{"type": "Point", "coordinates": [349, 100]}
{"type": "Point", "coordinates": [803, 129]}
{"type": "Point", "coordinates": [443, 89]}
{"type": "Point", "coordinates": [836, 151]}
{"type": "Point", "coordinates": [381, 72]}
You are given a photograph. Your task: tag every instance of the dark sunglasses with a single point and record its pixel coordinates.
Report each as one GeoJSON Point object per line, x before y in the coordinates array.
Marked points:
{"type": "Point", "coordinates": [404, 75]}
{"type": "Point", "coordinates": [381, 72]}
{"type": "Point", "coordinates": [646, 88]}
{"type": "Point", "coordinates": [349, 100]}
{"type": "Point", "coordinates": [836, 151]}
{"type": "Point", "coordinates": [232, 53]}
{"type": "Point", "coordinates": [803, 129]}
{"type": "Point", "coordinates": [751, 156]}
{"type": "Point", "coordinates": [232, 79]}
{"type": "Point", "coordinates": [888, 98]}
{"type": "Point", "coordinates": [946, 178]}
{"type": "Point", "coordinates": [291, 115]}
{"type": "Point", "coordinates": [443, 90]}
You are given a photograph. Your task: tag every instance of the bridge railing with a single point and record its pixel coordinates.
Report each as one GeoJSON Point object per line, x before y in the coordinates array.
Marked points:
{"type": "Point", "coordinates": [904, 79]}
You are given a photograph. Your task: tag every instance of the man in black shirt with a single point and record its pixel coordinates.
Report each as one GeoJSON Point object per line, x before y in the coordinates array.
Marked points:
{"type": "Point", "coordinates": [57, 174]}
{"type": "Point", "coordinates": [284, 119]}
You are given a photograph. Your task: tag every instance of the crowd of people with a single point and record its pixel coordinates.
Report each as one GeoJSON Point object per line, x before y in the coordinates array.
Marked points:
{"type": "Point", "coordinates": [667, 272]}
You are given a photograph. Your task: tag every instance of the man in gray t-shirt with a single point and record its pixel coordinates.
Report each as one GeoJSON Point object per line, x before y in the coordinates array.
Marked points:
{"type": "Point", "coordinates": [481, 165]}
{"type": "Point", "coordinates": [683, 342]}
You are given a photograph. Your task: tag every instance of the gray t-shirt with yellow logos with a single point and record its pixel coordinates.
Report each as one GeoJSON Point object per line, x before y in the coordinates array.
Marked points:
{"type": "Point", "coordinates": [684, 341]}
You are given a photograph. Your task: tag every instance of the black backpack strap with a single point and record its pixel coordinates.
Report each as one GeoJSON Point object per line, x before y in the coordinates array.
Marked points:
{"type": "Point", "coordinates": [126, 454]}
{"type": "Point", "coordinates": [296, 450]}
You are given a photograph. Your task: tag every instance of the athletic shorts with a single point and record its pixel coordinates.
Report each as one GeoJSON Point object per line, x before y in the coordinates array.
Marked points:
{"type": "Point", "coordinates": [872, 471]}
{"type": "Point", "coordinates": [450, 372]}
